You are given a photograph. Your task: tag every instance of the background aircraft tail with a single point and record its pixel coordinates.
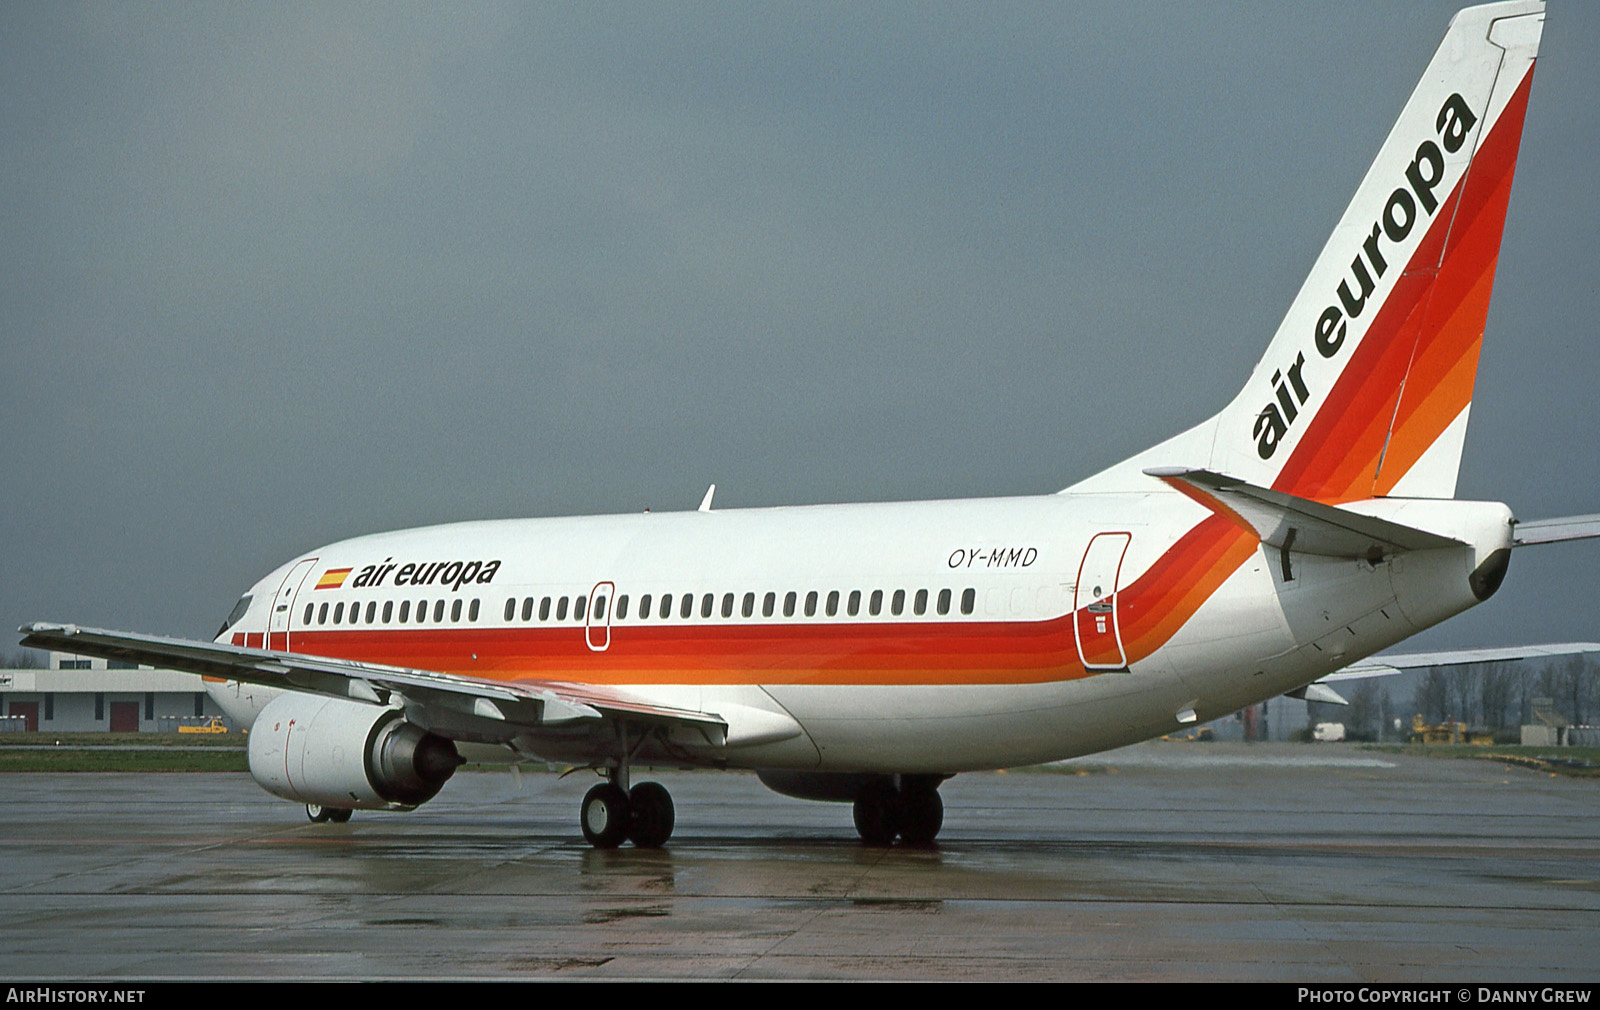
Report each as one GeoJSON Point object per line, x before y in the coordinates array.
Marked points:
{"type": "Point", "coordinates": [1365, 388]}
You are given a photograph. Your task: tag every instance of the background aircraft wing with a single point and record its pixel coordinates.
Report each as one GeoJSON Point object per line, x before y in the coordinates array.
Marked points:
{"type": "Point", "coordinates": [1392, 665]}
{"type": "Point", "coordinates": [455, 700]}
{"type": "Point", "coordinates": [1551, 531]}
{"type": "Point", "coordinates": [1389, 665]}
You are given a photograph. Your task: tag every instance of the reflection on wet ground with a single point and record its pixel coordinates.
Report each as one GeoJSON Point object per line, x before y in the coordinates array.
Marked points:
{"type": "Point", "coordinates": [1168, 861]}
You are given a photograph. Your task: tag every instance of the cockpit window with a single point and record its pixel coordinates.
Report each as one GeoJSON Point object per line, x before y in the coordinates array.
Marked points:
{"type": "Point", "coordinates": [237, 612]}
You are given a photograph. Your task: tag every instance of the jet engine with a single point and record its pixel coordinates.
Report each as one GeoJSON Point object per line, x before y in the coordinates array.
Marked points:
{"type": "Point", "coordinates": [346, 755]}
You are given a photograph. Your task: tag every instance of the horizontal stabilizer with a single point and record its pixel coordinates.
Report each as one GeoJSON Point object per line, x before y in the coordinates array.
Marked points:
{"type": "Point", "coordinates": [1389, 666]}
{"type": "Point", "coordinates": [1553, 531]}
{"type": "Point", "coordinates": [1291, 523]}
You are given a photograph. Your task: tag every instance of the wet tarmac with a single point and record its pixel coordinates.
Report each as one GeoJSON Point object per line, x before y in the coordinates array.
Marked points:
{"type": "Point", "coordinates": [1163, 862]}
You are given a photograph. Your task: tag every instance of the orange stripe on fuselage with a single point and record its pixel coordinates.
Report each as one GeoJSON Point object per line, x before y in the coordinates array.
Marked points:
{"type": "Point", "coordinates": [903, 653]}
{"type": "Point", "coordinates": [1151, 609]}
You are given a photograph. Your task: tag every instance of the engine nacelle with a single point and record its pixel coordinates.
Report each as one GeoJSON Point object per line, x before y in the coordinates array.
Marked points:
{"type": "Point", "coordinates": [345, 754]}
{"type": "Point", "coordinates": [831, 787]}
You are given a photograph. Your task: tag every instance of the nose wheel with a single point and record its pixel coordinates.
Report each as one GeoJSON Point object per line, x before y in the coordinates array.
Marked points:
{"type": "Point", "coordinates": [911, 811]}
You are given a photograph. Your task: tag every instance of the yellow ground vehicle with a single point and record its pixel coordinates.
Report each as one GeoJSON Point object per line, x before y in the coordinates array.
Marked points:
{"type": "Point", "coordinates": [1446, 732]}
{"type": "Point", "coordinates": [212, 725]}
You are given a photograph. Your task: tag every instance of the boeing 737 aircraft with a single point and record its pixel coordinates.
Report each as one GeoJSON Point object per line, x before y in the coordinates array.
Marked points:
{"type": "Point", "coordinates": [865, 653]}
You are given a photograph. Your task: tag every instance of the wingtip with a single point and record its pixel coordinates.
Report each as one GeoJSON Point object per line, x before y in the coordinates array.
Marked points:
{"type": "Point", "coordinates": [41, 627]}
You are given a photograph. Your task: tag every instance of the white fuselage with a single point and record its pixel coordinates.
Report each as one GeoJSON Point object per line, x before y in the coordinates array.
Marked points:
{"type": "Point", "coordinates": [913, 637]}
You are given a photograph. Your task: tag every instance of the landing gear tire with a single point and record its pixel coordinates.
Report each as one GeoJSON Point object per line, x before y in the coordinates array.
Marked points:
{"type": "Point", "coordinates": [921, 813]}
{"type": "Point", "coordinates": [877, 813]}
{"type": "Point", "coordinates": [319, 814]}
{"type": "Point", "coordinates": [653, 815]}
{"type": "Point", "coordinates": [606, 816]}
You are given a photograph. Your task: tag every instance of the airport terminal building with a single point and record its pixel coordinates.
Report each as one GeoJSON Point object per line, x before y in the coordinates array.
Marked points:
{"type": "Point", "coordinates": [76, 694]}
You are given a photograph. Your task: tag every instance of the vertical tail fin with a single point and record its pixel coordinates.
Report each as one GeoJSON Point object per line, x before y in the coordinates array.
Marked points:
{"type": "Point", "coordinates": [1366, 386]}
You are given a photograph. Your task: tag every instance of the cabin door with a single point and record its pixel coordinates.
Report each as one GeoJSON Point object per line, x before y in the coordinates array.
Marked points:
{"type": "Point", "coordinates": [1094, 604]}
{"type": "Point", "coordinates": [283, 606]}
{"type": "Point", "coordinates": [597, 619]}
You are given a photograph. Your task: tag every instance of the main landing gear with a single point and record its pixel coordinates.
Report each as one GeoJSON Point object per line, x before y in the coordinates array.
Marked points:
{"type": "Point", "coordinates": [319, 814]}
{"type": "Point", "coordinates": [907, 806]}
{"type": "Point", "coordinates": [613, 814]}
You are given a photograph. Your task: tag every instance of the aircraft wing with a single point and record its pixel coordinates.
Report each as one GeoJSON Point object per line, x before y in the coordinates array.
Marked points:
{"type": "Point", "coordinates": [449, 698]}
{"type": "Point", "coordinates": [1552, 531]}
{"type": "Point", "coordinates": [1390, 665]}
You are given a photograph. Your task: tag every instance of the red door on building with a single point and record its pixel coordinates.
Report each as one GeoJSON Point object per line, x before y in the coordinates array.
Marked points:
{"type": "Point", "coordinates": [29, 710]}
{"type": "Point", "coordinates": [124, 717]}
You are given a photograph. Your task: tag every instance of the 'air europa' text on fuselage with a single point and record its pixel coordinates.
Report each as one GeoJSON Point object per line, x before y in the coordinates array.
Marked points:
{"type": "Point", "coordinates": [454, 574]}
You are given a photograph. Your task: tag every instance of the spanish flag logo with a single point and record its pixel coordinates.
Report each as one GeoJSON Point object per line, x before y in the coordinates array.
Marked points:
{"type": "Point", "coordinates": [333, 578]}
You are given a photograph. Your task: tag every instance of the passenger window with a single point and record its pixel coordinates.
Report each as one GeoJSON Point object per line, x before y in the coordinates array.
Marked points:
{"type": "Point", "coordinates": [322, 614]}
{"type": "Point", "coordinates": [706, 603]}
{"type": "Point", "coordinates": [580, 604]}
{"type": "Point", "coordinates": [788, 603]}
{"type": "Point", "coordinates": [644, 607]}
{"type": "Point", "coordinates": [768, 604]}
{"type": "Point", "coordinates": [897, 603]}
{"type": "Point", "coordinates": [811, 603]}
{"type": "Point", "coordinates": [372, 611]}
{"type": "Point", "coordinates": [969, 599]}
{"type": "Point", "coordinates": [355, 613]}
{"type": "Point", "coordinates": [599, 608]}
{"type": "Point", "coordinates": [854, 606]}
{"type": "Point", "coordinates": [388, 610]}
{"type": "Point", "coordinates": [438, 611]}
{"type": "Point", "coordinates": [309, 608]}
{"type": "Point", "coordinates": [944, 601]}
{"type": "Point", "coordinates": [511, 608]}
{"type": "Point", "coordinates": [749, 607]}
{"type": "Point", "coordinates": [527, 608]}
{"type": "Point", "coordinates": [687, 609]}
{"type": "Point", "coordinates": [727, 604]}
{"type": "Point", "coordinates": [666, 606]}
{"type": "Point", "coordinates": [472, 611]}
{"type": "Point", "coordinates": [920, 605]}
{"type": "Point", "coordinates": [338, 612]}
{"type": "Point", "coordinates": [455, 612]}
{"type": "Point", "coordinates": [405, 610]}
{"type": "Point", "coordinates": [875, 607]}
{"type": "Point", "coordinates": [622, 607]}
{"type": "Point", "coordinates": [833, 602]}
{"type": "Point", "coordinates": [544, 609]}
{"type": "Point", "coordinates": [422, 611]}
{"type": "Point", "coordinates": [561, 609]}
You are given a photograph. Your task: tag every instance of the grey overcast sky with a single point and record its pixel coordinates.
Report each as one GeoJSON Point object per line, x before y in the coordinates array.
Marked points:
{"type": "Point", "coordinates": [277, 274]}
